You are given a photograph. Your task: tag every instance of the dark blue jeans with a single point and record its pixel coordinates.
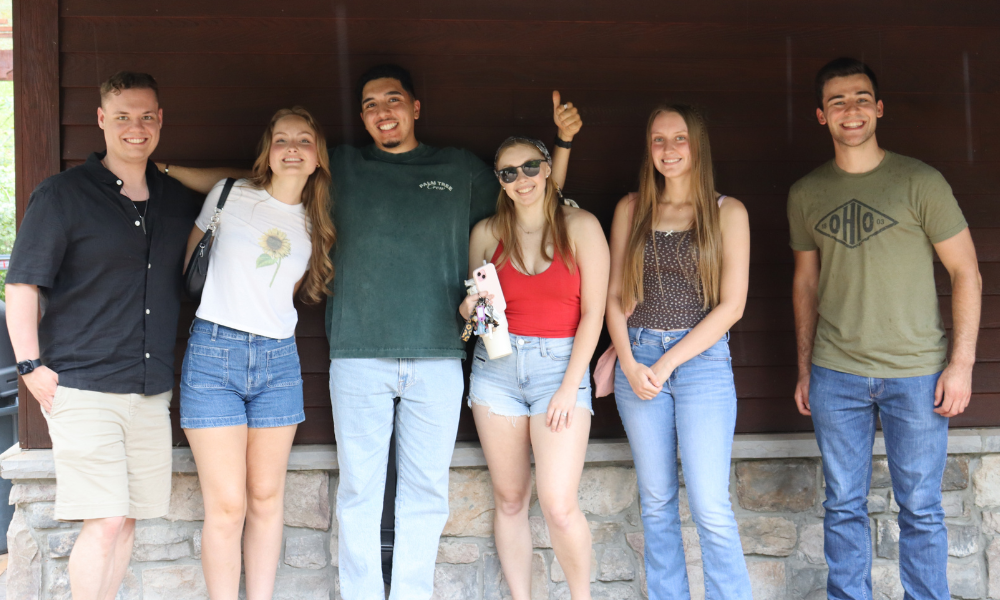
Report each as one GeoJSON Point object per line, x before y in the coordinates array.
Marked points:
{"type": "Point", "coordinates": [844, 410]}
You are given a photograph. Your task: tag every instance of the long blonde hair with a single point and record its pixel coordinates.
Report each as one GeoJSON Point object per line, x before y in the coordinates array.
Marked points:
{"type": "Point", "coordinates": [504, 222]}
{"type": "Point", "coordinates": [315, 199]}
{"type": "Point", "coordinates": [707, 232]}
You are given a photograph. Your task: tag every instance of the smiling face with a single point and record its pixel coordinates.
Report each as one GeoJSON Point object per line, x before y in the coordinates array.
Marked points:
{"type": "Point", "coordinates": [293, 148]}
{"type": "Point", "coordinates": [525, 190]}
{"type": "Point", "coordinates": [389, 111]}
{"type": "Point", "coordinates": [850, 110]}
{"type": "Point", "coordinates": [131, 122]}
{"type": "Point", "coordinates": [669, 145]}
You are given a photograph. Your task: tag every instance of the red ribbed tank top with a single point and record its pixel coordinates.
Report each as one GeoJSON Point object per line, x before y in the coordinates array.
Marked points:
{"type": "Point", "coordinates": [543, 305]}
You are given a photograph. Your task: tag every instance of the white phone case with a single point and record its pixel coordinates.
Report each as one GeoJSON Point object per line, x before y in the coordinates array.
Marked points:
{"type": "Point", "coordinates": [487, 281]}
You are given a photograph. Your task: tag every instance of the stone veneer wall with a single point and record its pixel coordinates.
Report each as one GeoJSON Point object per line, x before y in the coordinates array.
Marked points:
{"type": "Point", "coordinates": [776, 485]}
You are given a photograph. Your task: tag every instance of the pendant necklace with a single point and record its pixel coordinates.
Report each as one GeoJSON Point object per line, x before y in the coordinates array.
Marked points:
{"type": "Point", "coordinates": [141, 215]}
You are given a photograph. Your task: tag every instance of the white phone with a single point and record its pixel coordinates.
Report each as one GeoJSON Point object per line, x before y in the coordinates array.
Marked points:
{"type": "Point", "coordinates": [487, 281]}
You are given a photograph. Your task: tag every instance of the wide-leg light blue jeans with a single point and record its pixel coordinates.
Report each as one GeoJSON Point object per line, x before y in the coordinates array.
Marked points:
{"type": "Point", "coordinates": [844, 410]}
{"type": "Point", "coordinates": [697, 412]}
{"type": "Point", "coordinates": [362, 392]}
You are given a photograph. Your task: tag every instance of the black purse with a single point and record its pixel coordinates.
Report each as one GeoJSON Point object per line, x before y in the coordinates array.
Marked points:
{"type": "Point", "coordinates": [197, 270]}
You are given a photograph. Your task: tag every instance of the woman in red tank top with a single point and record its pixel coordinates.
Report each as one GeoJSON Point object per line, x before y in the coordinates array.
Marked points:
{"type": "Point", "coordinates": [552, 261]}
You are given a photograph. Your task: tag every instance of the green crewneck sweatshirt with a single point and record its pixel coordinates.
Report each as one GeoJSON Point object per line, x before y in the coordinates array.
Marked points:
{"type": "Point", "coordinates": [402, 249]}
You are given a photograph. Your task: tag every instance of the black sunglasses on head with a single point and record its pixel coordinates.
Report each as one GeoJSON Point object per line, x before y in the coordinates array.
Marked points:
{"type": "Point", "coordinates": [530, 169]}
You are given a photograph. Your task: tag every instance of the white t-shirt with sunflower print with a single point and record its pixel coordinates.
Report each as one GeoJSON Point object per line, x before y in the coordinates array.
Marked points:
{"type": "Point", "coordinates": [261, 250]}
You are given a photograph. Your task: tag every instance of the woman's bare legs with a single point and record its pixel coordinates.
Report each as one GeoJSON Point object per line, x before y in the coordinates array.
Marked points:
{"type": "Point", "coordinates": [507, 449]}
{"type": "Point", "coordinates": [267, 463]}
{"type": "Point", "coordinates": [220, 453]}
{"type": "Point", "coordinates": [559, 459]}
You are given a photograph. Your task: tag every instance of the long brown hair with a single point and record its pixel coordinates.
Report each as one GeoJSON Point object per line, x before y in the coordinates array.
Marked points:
{"type": "Point", "coordinates": [707, 232]}
{"type": "Point", "coordinates": [504, 222]}
{"type": "Point", "coordinates": [315, 199]}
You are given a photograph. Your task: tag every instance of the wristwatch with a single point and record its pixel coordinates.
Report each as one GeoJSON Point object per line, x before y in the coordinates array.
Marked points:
{"type": "Point", "coordinates": [27, 366]}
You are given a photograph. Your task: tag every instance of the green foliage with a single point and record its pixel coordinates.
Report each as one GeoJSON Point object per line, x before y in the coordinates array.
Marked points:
{"type": "Point", "coordinates": [7, 209]}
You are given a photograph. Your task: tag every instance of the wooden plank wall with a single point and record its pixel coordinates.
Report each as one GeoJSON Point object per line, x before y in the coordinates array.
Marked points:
{"type": "Point", "coordinates": [36, 145]}
{"type": "Point", "coordinates": [485, 70]}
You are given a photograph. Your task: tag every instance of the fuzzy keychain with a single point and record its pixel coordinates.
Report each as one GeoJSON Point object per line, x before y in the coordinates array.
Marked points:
{"type": "Point", "coordinates": [482, 321]}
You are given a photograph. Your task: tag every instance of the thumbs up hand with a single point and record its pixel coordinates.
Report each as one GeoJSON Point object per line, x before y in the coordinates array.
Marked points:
{"type": "Point", "coordinates": [566, 117]}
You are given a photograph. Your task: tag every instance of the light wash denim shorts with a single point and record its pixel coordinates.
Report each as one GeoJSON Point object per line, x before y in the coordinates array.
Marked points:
{"type": "Point", "coordinates": [522, 383]}
{"type": "Point", "coordinates": [231, 377]}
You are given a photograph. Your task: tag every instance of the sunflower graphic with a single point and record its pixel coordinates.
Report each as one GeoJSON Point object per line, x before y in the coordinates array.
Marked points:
{"type": "Point", "coordinates": [276, 247]}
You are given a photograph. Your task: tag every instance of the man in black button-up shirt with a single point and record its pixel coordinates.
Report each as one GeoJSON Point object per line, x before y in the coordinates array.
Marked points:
{"type": "Point", "coordinates": [102, 247]}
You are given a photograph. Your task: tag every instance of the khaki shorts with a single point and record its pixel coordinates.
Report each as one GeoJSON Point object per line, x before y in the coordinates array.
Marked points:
{"type": "Point", "coordinates": [112, 454]}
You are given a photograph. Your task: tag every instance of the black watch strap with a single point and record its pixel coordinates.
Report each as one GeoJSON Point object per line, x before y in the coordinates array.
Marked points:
{"type": "Point", "coordinates": [563, 144]}
{"type": "Point", "coordinates": [27, 366]}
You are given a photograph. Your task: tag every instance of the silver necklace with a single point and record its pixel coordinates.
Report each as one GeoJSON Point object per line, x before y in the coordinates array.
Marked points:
{"type": "Point", "coordinates": [142, 216]}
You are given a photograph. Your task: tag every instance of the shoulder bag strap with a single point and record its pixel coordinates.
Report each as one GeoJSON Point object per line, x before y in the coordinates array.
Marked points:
{"type": "Point", "coordinates": [214, 223]}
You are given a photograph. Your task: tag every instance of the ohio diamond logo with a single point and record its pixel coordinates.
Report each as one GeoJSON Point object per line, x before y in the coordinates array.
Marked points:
{"type": "Point", "coordinates": [853, 223]}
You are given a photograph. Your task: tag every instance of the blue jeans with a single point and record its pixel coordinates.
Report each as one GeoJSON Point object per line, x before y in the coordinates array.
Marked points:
{"type": "Point", "coordinates": [697, 412]}
{"type": "Point", "coordinates": [362, 392]}
{"type": "Point", "coordinates": [844, 410]}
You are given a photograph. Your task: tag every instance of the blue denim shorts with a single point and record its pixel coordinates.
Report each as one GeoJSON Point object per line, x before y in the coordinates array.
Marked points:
{"type": "Point", "coordinates": [231, 377]}
{"type": "Point", "coordinates": [522, 383]}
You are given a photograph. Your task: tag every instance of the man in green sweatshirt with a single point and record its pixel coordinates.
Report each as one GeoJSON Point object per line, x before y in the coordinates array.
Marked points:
{"type": "Point", "coordinates": [403, 212]}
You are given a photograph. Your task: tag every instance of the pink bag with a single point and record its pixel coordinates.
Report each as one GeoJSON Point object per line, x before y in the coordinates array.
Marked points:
{"type": "Point", "coordinates": [604, 372]}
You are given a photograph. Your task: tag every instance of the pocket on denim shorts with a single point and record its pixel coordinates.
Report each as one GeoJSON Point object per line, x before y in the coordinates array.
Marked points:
{"type": "Point", "coordinates": [206, 368]}
{"type": "Point", "coordinates": [559, 348]}
{"type": "Point", "coordinates": [283, 368]}
{"type": "Point", "coordinates": [479, 354]}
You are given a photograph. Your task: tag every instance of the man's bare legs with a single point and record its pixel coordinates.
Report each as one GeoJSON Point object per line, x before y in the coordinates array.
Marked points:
{"type": "Point", "coordinates": [100, 558]}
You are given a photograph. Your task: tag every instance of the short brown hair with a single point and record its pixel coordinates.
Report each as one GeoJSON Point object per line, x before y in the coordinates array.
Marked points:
{"type": "Point", "coordinates": [844, 66]}
{"type": "Point", "coordinates": [129, 80]}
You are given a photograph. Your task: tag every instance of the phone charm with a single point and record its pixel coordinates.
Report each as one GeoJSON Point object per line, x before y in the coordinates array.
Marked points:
{"type": "Point", "coordinates": [480, 318]}
{"type": "Point", "coordinates": [485, 319]}
{"type": "Point", "coordinates": [482, 321]}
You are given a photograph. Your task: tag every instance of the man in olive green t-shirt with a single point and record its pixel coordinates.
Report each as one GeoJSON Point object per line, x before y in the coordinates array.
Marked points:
{"type": "Point", "coordinates": [871, 342]}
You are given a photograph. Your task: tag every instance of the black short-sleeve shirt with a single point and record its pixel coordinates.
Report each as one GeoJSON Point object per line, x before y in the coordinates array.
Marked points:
{"type": "Point", "coordinates": [110, 293]}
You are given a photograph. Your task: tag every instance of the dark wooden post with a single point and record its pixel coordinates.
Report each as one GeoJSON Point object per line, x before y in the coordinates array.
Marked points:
{"type": "Point", "coordinates": [36, 138]}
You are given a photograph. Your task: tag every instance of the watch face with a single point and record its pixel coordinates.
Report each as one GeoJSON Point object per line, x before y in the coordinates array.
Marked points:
{"type": "Point", "coordinates": [25, 367]}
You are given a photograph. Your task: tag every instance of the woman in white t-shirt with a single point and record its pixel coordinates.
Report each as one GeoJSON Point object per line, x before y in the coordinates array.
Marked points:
{"type": "Point", "coordinates": [241, 384]}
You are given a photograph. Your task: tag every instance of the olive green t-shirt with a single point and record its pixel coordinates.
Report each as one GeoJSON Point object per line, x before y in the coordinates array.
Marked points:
{"type": "Point", "coordinates": [878, 307]}
{"type": "Point", "coordinates": [402, 250]}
